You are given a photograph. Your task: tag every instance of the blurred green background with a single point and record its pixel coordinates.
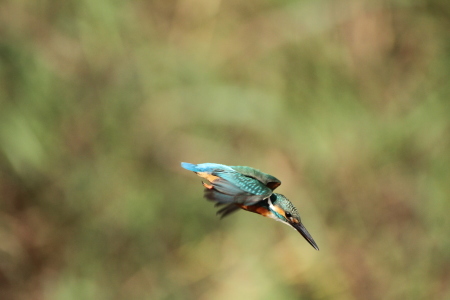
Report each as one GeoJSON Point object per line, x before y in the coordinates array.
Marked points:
{"type": "Point", "coordinates": [347, 102]}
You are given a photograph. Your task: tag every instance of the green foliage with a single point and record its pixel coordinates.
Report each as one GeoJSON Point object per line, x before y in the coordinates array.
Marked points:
{"type": "Point", "coordinates": [345, 102]}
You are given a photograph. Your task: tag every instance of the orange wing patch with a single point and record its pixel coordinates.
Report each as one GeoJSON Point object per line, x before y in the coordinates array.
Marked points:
{"type": "Point", "coordinates": [208, 176]}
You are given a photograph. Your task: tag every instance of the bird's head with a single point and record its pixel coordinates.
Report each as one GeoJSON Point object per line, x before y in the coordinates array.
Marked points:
{"type": "Point", "coordinates": [284, 211]}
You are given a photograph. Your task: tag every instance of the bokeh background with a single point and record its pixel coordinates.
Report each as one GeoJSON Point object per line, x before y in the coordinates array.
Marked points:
{"type": "Point", "coordinates": [347, 102]}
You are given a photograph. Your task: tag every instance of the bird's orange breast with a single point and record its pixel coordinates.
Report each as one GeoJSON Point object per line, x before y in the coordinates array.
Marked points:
{"type": "Point", "coordinates": [256, 209]}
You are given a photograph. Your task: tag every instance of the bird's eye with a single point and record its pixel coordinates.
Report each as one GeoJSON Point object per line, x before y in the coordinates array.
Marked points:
{"type": "Point", "coordinates": [288, 215]}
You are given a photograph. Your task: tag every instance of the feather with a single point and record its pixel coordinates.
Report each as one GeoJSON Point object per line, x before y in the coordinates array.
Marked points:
{"type": "Point", "coordinates": [268, 180]}
{"type": "Point", "coordinates": [229, 209]}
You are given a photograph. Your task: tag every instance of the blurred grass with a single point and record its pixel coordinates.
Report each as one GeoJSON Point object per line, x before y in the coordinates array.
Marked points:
{"type": "Point", "coordinates": [345, 101]}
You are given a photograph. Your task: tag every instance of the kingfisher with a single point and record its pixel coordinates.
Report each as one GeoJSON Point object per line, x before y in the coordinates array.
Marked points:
{"type": "Point", "coordinates": [240, 187]}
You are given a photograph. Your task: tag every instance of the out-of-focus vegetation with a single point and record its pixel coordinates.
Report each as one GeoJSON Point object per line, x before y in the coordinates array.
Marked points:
{"type": "Point", "coordinates": [347, 102]}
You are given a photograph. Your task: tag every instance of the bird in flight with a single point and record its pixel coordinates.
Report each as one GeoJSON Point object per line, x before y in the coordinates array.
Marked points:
{"type": "Point", "coordinates": [239, 187]}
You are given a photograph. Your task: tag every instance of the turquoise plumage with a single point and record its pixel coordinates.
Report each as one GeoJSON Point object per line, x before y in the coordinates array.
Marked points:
{"type": "Point", "coordinates": [240, 187]}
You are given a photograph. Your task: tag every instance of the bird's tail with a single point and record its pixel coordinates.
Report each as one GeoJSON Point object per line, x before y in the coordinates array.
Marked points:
{"type": "Point", "coordinates": [206, 167]}
{"type": "Point", "coordinates": [190, 167]}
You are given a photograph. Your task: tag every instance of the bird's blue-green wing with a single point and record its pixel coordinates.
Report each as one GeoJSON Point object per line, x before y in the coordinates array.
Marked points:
{"type": "Point", "coordinates": [234, 187]}
{"type": "Point", "coordinates": [266, 179]}
{"type": "Point", "coordinates": [238, 185]}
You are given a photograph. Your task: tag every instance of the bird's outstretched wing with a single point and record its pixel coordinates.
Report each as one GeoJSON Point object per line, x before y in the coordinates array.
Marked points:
{"type": "Point", "coordinates": [268, 180]}
{"type": "Point", "coordinates": [234, 185]}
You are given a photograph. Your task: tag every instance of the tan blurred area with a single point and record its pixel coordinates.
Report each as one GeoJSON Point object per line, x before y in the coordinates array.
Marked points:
{"type": "Point", "coordinates": [346, 102]}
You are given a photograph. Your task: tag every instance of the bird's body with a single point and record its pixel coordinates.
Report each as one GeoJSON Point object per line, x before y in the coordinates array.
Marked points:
{"type": "Point", "coordinates": [239, 187]}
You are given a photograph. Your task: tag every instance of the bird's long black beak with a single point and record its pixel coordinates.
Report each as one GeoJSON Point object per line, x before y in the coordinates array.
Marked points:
{"type": "Point", "coordinates": [300, 228]}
